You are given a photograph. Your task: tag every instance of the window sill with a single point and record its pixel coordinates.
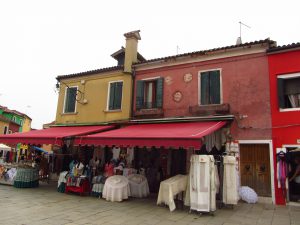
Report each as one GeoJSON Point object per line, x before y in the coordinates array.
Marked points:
{"type": "Point", "coordinates": [149, 112]}
{"type": "Point", "coordinates": [66, 114]}
{"type": "Point", "coordinates": [112, 111]}
{"type": "Point", "coordinates": [289, 109]}
{"type": "Point", "coordinates": [213, 109]}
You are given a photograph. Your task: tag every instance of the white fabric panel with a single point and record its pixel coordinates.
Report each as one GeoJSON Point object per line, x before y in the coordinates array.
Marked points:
{"type": "Point", "coordinates": [116, 188]}
{"type": "Point", "coordinates": [230, 193]}
{"type": "Point", "coordinates": [169, 188]}
{"type": "Point", "coordinates": [139, 187]}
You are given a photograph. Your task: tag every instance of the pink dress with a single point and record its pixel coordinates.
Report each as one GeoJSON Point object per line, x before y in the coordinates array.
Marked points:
{"type": "Point", "coordinates": [109, 169]}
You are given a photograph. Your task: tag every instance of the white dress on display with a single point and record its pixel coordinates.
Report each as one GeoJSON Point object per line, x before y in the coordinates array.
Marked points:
{"type": "Point", "coordinates": [230, 192]}
{"type": "Point", "coordinates": [202, 185]}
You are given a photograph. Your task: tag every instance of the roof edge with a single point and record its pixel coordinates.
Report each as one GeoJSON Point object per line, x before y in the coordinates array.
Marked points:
{"type": "Point", "coordinates": [210, 51]}
{"type": "Point", "coordinates": [289, 47]}
{"type": "Point", "coordinates": [90, 72]}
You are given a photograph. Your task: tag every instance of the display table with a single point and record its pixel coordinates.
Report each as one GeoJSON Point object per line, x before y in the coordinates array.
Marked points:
{"type": "Point", "coordinates": [26, 178]}
{"type": "Point", "coordinates": [170, 188]}
{"type": "Point", "coordinates": [7, 174]}
{"type": "Point", "coordinates": [78, 185]}
{"type": "Point", "coordinates": [139, 187]}
{"type": "Point", "coordinates": [116, 188]}
{"type": "Point", "coordinates": [62, 180]}
{"type": "Point", "coordinates": [97, 190]}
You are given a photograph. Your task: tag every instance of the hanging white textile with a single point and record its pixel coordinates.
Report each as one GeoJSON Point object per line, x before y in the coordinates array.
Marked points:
{"type": "Point", "coordinates": [230, 193]}
{"type": "Point", "coordinates": [202, 184]}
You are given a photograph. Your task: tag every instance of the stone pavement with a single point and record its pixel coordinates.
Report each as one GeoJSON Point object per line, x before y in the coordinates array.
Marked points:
{"type": "Point", "coordinates": [44, 205]}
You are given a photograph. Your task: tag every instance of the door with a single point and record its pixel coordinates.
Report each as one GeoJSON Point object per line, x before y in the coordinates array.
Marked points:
{"type": "Point", "coordinates": [255, 168]}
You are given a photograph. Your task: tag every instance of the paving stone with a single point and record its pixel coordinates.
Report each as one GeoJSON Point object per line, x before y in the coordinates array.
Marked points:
{"type": "Point", "coordinates": [44, 206]}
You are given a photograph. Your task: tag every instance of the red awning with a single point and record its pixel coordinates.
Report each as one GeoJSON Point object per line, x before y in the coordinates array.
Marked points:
{"type": "Point", "coordinates": [168, 135]}
{"type": "Point", "coordinates": [52, 135]}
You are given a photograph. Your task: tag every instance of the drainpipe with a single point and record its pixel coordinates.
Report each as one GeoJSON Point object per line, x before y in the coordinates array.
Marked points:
{"type": "Point", "coordinates": [132, 94]}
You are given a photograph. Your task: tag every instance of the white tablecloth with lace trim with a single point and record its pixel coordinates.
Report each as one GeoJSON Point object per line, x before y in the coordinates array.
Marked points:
{"type": "Point", "coordinates": [170, 188]}
{"type": "Point", "coordinates": [139, 187]}
{"type": "Point", "coordinates": [116, 188]}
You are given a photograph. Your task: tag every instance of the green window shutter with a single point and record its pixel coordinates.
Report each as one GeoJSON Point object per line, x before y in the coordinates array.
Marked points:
{"type": "Point", "coordinates": [118, 95]}
{"type": "Point", "coordinates": [214, 84]}
{"type": "Point", "coordinates": [139, 94]}
{"type": "Point", "coordinates": [70, 101]}
{"type": "Point", "coordinates": [159, 92]}
{"type": "Point", "coordinates": [280, 91]}
{"type": "Point", "coordinates": [115, 95]}
{"type": "Point", "coordinates": [204, 89]}
{"type": "Point", "coordinates": [111, 96]}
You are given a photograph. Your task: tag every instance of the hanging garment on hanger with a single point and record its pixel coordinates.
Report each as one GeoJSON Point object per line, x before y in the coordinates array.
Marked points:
{"type": "Point", "coordinates": [200, 183]}
{"type": "Point", "coordinates": [213, 189]}
{"type": "Point", "coordinates": [282, 174]}
{"type": "Point", "coordinates": [230, 194]}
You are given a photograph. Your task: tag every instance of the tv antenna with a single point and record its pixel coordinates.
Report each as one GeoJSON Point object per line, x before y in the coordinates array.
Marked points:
{"type": "Point", "coordinates": [239, 40]}
{"type": "Point", "coordinates": [177, 49]}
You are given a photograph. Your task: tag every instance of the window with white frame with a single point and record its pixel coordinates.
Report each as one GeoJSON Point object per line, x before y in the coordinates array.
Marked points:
{"type": "Point", "coordinates": [115, 90]}
{"type": "Point", "coordinates": [209, 87]}
{"type": "Point", "coordinates": [70, 100]}
{"type": "Point", "coordinates": [288, 88]}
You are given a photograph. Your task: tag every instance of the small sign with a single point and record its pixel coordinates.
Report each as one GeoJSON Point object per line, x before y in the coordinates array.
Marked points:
{"type": "Point", "coordinates": [298, 141]}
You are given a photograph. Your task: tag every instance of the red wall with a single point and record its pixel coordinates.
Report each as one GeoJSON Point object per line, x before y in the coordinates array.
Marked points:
{"type": "Point", "coordinates": [245, 84]}
{"type": "Point", "coordinates": [14, 127]}
{"type": "Point", "coordinates": [286, 125]}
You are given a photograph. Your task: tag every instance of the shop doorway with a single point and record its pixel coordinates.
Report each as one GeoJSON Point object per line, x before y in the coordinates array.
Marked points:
{"type": "Point", "coordinates": [255, 168]}
{"type": "Point", "coordinates": [293, 163]}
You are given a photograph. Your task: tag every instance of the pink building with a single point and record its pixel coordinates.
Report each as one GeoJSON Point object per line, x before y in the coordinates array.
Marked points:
{"type": "Point", "coordinates": [223, 84]}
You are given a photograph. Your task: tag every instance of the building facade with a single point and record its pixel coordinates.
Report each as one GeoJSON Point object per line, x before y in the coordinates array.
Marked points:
{"type": "Point", "coordinates": [212, 85]}
{"type": "Point", "coordinates": [99, 96]}
{"type": "Point", "coordinates": [284, 67]}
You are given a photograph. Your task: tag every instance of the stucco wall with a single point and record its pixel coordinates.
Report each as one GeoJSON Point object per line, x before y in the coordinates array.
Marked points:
{"type": "Point", "coordinates": [286, 125]}
{"type": "Point", "coordinates": [245, 86]}
{"type": "Point", "coordinates": [95, 89]}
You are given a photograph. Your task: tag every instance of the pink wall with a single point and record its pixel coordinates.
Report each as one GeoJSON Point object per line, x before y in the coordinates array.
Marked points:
{"type": "Point", "coordinates": [245, 84]}
{"type": "Point", "coordinates": [286, 125]}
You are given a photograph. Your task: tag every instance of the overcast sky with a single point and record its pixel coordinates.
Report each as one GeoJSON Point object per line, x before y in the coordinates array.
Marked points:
{"type": "Point", "coordinates": [42, 39]}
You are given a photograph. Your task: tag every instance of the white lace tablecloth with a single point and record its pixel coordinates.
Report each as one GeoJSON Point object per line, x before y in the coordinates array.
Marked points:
{"type": "Point", "coordinates": [169, 188]}
{"type": "Point", "coordinates": [139, 187]}
{"type": "Point", "coordinates": [116, 188]}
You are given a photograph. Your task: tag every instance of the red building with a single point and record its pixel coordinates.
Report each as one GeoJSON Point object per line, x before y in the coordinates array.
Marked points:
{"type": "Point", "coordinates": [284, 70]}
{"type": "Point", "coordinates": [229, 83]}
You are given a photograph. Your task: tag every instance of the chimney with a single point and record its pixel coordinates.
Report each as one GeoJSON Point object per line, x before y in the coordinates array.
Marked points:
{"type": "Point", "coordinates": [132, 39]}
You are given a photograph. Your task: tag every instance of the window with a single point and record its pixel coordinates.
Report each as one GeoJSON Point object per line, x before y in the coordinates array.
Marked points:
{"type": "Point", "coordinates": [288, 87]}
{"type": "Point", "coordinates": [115, 95]}
{"type": "Point", "coordinates": [5, 130]}
{"type": "Point", "coordinates": [70, 100]}
{"type": "Point", "coordinates": [21, 122]}
{"type": "Point", "coordinates": [149, 94]}
{"type": "Point", "coordinates": [14, 119]}
{"type": "Point", "coordinates": [210, 88]}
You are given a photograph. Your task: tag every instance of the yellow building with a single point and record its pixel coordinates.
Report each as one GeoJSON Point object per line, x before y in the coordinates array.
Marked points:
{"type": "Point", "coordinates": [99, 96]}
{"type": "Point", "coordinates": [4, 125]}
{"type": "Point", "coordinates": [26, 123]}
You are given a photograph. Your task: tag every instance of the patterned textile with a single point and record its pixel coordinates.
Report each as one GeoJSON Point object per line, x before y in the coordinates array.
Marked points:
{"type": "Point", "coordinates": [26, 178]}
{"type": "Point", "coordinates": [75, 181]}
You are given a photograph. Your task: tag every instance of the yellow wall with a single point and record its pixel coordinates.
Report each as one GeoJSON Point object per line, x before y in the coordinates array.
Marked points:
{"type": "Point", "coordinates": [2, 125]}
{"type": "Point", "coordinates": [26, 125]}
{"type": "Point", "coordinates": [95, 89]}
